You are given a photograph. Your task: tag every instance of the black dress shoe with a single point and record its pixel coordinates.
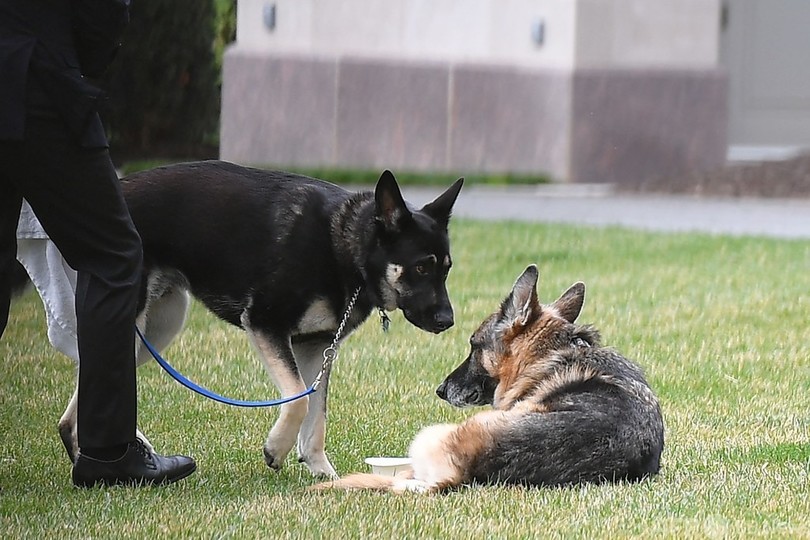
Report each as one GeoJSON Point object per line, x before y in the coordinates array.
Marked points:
{"type": "Point", "coordinates": [138, 466]}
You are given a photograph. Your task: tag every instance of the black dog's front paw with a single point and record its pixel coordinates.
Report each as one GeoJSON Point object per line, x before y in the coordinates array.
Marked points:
{"type": "Point", "coordinates": [271, 460]}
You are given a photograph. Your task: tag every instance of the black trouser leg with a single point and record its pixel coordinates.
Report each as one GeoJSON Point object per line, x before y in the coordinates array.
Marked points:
{"type": "Point", "coordinates": [10, 201]}
{"type": "Point", "coordinates": [76, 196]}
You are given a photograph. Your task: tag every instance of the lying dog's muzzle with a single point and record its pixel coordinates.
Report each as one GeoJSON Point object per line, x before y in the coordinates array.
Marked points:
{"type": "Point", "coordinates": [462, 397]}
{"type": "Point", "coordinates": [469, 385]}
{"type": "Point", "coordinates": [441, 391]}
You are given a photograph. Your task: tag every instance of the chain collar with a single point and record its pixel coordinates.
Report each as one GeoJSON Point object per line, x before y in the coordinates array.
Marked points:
{"type": "Point", "coordinates": [330, 353]}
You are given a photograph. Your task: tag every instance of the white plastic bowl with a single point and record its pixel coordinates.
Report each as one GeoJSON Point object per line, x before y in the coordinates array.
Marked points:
{"type": "Point", "coordinates": [389, 466]}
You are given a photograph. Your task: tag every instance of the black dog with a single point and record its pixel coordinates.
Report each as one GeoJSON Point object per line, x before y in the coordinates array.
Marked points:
{"type": "Point", "coordinates": [281, 255]}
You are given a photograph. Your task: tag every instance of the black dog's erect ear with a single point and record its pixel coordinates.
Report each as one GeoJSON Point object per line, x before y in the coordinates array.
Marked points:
{"type": "Point", "coordinates": [522, 302]}
{"type": "Point", "coordinates": [391, 209]}
{"type": "Point", "coordinates": [569, 304]}
{"type": "Point", "coordinates": [441, 208]}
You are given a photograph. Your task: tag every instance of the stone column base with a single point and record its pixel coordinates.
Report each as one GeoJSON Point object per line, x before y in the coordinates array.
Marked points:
{"type": "Point", "coordinates": [583, 125]}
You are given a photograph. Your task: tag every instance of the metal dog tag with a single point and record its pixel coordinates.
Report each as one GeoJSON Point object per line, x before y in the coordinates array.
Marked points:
{"type": "Point", "coordinates": [385, 320]}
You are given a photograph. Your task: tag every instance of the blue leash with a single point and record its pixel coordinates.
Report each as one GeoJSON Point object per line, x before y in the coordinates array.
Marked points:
{"type": "Point", "coordinates": [191, 385]}
{"type": "Point", "coordinates": [329, 355]}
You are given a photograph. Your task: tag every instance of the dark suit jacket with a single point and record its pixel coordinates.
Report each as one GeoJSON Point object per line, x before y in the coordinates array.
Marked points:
{"type": "Point", "coordinates": [46, 49]}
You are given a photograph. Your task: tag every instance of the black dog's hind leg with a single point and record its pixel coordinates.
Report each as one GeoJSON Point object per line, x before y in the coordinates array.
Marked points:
{"type": "Point", "coordinates": [67, 426]}
{"type": "Point", "coordinates": [312, 437]}
{"type": "Point", "coordinates": [161, 319]}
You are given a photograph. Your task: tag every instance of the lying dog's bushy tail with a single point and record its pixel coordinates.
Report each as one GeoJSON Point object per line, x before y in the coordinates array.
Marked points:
{"type": "Point", "coordinates": [363, 481]}
{"type": "Point", "coordinates": [401, 483]}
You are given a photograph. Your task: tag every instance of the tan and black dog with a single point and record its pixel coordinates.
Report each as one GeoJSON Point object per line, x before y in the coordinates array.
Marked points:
{"type": "Point", "coordinates": [566, 410]}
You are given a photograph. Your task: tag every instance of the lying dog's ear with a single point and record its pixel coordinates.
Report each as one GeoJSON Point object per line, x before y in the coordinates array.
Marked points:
{"type": "Point", "coordinates": [569, 304]}
{"type": "Point", "coordinates": [442, 207]}
{"type": "Point", "coordinates": [391, 209]}
{"type": "Point", "coordinates": [522, 302]}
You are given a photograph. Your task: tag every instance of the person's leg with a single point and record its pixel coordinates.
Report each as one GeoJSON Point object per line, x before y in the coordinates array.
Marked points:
{"type": "Point", "coordinates": [10, 202]}
{"type": "Point", "coordinates": [76, 196]}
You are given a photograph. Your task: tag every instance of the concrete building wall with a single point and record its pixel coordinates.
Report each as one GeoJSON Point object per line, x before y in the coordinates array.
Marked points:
{"type": "Point", "coordinates": [583, 90]}
{"type": "Point", "coordinates": [765, 49]}
{"type": "Point", "coordinates": [658, 34]}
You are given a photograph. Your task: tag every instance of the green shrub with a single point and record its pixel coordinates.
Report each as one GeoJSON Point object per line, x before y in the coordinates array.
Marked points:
{"type": "Point", "coordinates": [164, 85]}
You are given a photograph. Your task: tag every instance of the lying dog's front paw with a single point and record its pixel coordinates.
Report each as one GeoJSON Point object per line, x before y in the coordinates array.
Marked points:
{"type": "Point", "coordinates": [410, 486]}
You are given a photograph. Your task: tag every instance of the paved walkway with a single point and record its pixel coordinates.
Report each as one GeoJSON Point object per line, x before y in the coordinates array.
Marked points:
{"type": "Point", "coordinates": [600, 206]}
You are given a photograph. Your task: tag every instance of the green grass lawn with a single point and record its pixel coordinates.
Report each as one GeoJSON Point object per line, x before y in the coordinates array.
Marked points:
{"type": "Point", "coordinates": [365, 177]}
{"type": "Point", "coordinates": [720, 325]}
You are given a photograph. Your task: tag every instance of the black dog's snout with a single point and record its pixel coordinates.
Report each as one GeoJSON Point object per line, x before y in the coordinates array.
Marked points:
{"type": "Point", "coordinates": [443, 324]}
{"type": "Point", "coordinates": [443, 320]}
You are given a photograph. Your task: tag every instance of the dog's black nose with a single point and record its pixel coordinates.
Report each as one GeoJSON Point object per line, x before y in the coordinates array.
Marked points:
{"type": "Point", "coordinates": [441, 326]}
{"type": "Point", "coordinates": [441, 391]}
{"type": "Point", "coordinates": [443, 320]}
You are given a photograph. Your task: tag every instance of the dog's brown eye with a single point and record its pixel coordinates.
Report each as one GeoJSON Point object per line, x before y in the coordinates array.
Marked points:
{"type": "Point", "coordinates": [421, 269]}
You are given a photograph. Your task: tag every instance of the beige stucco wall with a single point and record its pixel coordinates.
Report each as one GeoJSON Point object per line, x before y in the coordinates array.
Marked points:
{"type": "Point", "coordinates": [617, 90]}
{"type": "Point", "coordinates": [577, 33]}
{"type": "Point", "coordinates": [647, 33]}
